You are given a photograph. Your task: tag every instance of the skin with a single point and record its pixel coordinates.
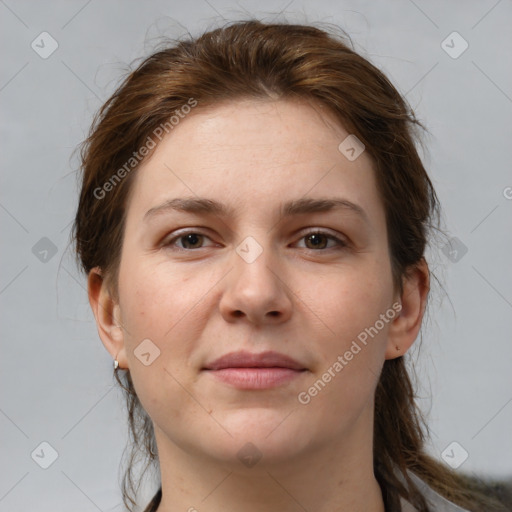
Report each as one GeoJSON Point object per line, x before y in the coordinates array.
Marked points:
{"type": "Point", "coordinates": [305, 300]}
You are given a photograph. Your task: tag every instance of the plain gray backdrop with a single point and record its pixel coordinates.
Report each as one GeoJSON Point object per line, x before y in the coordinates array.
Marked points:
{"type": "Point", "coordinates": [56, 377]}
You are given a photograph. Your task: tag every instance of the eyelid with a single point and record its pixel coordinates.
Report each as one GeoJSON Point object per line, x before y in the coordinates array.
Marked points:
{"type": "Point", "coordinates": [182, 233]}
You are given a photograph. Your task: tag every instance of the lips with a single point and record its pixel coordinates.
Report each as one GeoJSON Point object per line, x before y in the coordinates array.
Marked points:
{"type": "Point", "coordinates": [255, 372]}
{"type": "Point", "coordinates": [244, 359]}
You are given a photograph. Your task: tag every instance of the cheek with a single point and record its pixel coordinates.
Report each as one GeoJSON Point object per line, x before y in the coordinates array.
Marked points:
{"type": "Point", "coordinates": [169, 307]}
{"type": "Point", "coordinates": [349, 339]}
{"type": "Point", "coordinates": [343, 386]}
{"type": "Point", "coordinates": [344, 302]}
{"type": "Point", "coordinates": [157, 298]}
{"type": "Point", "coordinates": [160, 320]}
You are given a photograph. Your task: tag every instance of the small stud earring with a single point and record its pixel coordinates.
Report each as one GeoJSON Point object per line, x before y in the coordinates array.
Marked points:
{"type": "Point", "coordinates": [116, 364]}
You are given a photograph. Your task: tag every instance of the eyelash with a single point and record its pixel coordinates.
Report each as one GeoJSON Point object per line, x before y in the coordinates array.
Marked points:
{"type": "Point", "coordinates": [341, 244]}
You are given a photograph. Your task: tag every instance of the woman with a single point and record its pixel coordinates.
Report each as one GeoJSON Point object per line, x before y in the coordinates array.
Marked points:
{"type": "Point", "coordinates": [253, 220]}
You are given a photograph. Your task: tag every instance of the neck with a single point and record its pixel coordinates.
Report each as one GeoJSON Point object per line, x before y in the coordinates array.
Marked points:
{"type": "Point", "coordinates": [324, 478]}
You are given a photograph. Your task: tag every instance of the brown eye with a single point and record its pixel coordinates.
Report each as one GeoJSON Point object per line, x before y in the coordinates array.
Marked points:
{"type": "Point", "coordinates": [187, 241]}
{"type": "Point", "coordinates": [318, 240]}
{"type": "Point", "coordinates": [191, 239]}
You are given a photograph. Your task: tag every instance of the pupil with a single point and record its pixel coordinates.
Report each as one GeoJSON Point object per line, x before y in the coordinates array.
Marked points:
{"type": "Point", "coordinates": [191, 239]}
{"type": "Point", "coordinates": [316, 239]}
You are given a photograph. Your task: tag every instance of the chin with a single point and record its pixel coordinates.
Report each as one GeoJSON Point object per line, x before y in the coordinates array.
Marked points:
{"type": "Point", "coordinates": [258, 436]}
{"type": "Point", "coordinates": [244, 455]}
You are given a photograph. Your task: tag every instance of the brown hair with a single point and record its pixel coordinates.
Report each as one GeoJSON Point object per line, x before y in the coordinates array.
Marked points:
{"type": "Point", "coordinates": [257, 60]}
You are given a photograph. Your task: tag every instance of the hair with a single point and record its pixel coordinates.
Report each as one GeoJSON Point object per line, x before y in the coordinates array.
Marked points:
{"type": "Point", "coordinates": [251, 59]}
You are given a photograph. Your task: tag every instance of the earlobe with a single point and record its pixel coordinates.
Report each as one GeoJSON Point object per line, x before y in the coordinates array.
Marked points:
{"type": "Point", "coordinates": [405, 327]}
{"type": "Point", "coordinates": [107, 315]}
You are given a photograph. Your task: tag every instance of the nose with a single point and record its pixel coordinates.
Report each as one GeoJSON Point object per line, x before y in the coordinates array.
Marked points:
{"type": "Point", "coordinates": [256, 291]}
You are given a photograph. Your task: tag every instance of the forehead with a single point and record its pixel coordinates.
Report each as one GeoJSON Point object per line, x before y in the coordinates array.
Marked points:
{"type": "Point", "coordinates": [254, 151]}
{"type": "Point", "coordinates": [257, 127]}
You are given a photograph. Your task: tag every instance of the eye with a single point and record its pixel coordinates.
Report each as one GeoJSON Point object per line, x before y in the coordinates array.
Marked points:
{"type": "Point", "coordinates": [315, 240]}
{"type": "Point", "coordinates": [318, 240]}
{"type": "Point", "coordinates": [189, 240]}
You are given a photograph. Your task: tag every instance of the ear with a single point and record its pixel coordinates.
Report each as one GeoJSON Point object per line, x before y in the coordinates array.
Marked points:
{"type": "Point", "coordinates": [405, 327]}
{"type": "Point", "coordinates": [107, 314]}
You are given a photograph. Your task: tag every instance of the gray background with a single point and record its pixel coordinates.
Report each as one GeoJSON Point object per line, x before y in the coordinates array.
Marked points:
{"type": "Point", "coordinates": [56, 377]}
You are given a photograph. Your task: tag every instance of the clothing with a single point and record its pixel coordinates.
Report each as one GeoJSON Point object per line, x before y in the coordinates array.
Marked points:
{"type": "Point", "coordinates": [436, 502]}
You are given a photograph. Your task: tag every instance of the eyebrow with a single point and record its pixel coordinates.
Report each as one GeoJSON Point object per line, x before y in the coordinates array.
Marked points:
{"type": "Point", "coordinates": [200, 205]}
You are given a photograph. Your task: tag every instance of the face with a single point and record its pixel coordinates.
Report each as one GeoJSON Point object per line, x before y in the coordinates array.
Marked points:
{"type": "Point", "coordinates": [271, 268]}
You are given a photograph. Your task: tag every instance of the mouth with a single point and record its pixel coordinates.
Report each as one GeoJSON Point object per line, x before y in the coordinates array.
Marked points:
{"type": "Point", "coordinates": [245, 370]}
{"type": "Point", "coordinates": [256, 378]}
